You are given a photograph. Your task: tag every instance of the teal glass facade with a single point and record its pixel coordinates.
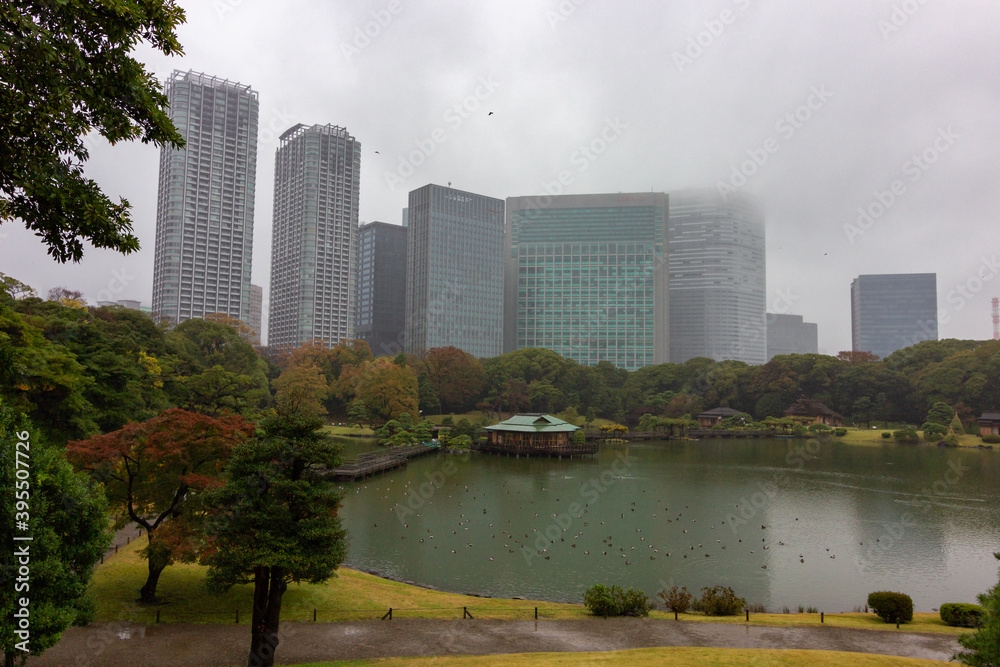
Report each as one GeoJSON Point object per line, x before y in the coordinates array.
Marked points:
{"type": "Point", "coordinates": [586, 277]}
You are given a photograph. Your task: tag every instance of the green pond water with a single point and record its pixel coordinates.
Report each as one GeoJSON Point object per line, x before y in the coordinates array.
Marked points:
{"type": "Point", "coordinates": [784, 522]}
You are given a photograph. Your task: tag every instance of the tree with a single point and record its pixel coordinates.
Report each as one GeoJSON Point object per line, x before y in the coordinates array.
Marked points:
{"type": "Point", "coordinates": [305, 385]}
{"type": "Point", "coordinates": [67, 521]}
{"type": "Point", "coordinates": [387, 389]}
{"type": "Point", "coordinates": [152, 473]}
{"type": "Point", "coordinates": [855, 357]}
{"type": "Point", "coordinates": [358, 413]}
{"type": "Point", "coordinates": [941, 413]}
{"type": "Point", "coordinates": [66, 70]}
{"type": "Point", "coordinates": [14, 288]}
{"type": "Point", "coordinates": [457, 378]}
{"type": "Point", "coordinates": [275, 520]}
{"type": "Point", "coordinates": [983, 646]}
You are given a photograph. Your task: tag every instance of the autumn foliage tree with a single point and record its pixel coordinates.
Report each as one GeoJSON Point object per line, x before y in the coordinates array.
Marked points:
{"type": "Point", "coordinates": [457, 378]}
{"type": "Point", "coordinates": [387, 389]}
{"type": "Point", "coordinates": [152, 473]}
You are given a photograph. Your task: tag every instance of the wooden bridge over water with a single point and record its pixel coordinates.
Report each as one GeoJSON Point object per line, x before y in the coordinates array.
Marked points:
{"type": "Point", "coordinates": [371, 463]}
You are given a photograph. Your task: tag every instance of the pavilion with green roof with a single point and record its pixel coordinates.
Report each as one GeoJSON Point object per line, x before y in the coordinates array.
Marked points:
{"type": "Point", "coordinates": [534, 433]}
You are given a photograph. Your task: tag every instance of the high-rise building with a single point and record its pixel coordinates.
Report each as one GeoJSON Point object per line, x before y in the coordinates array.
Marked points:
{"type": "Point", "coordinates": [380, 304]}
{"type": "Point", "coordinates": [788, 334]}
{"type": "Point", "coordinates": [256, 306]}
{"type": "Point", "coordinates": [586, 276]}
{"type": "Point", "coordinates": [893, 311]}
{"type": "Point", "coordinates": [204, 211]}
{"type": "Point", "coordinates": [454, 271]}
{"type": "Point", "coordinates": [313, 265]}
{"type": "Point", "coordinates": [717, 277]}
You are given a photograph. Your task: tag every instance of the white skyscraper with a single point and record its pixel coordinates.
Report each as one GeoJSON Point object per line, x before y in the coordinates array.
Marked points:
{"type": "Point", "coordinates": [717, 277]}
{"type": "Point", "coordinates": [313, 255]}
{"type": "Point", "coordinates": [204, 216]}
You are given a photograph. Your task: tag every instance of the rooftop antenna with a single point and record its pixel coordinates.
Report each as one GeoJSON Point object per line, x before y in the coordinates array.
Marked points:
{"type": "Point", "coordinates": [996, 318]}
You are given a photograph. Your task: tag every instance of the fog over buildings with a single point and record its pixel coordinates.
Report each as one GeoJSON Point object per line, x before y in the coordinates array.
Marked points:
{"type": "Point", "coordinates": [866, 129]}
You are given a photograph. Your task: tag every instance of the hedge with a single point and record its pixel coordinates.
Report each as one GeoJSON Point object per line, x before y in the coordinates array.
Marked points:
{"type": "Point", "coordinates": [891, 607]}
{"type": "Point", "coordinates": [962, 615]}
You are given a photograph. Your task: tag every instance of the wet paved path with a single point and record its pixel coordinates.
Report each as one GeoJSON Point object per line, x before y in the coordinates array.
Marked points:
{"type": "Point", "coordinates": [182, 645]}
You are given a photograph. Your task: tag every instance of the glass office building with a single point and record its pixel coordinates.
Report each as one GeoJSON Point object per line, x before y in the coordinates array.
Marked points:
{"type": "Point", "coordinates": [380, 304]}
{"type": "Point", "coordinates": [313, 258]}
{"type": "Point", "coordinates": [717, 277]}
{"type": "Point", "coordinates": [204, 208]}
{"type": "Point", "coordinates": [788, 334]}
{"type": "Point", "coordinates": [586, 276]}
{"type": "Point", "coordinates": [893, 311]}
{"type": "Point", "coordinates": [454, 271]}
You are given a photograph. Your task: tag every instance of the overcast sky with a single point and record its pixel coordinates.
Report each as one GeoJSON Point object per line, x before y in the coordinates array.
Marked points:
{"type": "Point", "coordinates": [839, 104]}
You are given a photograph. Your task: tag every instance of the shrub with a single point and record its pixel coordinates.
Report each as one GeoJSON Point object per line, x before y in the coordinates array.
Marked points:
{"type": "Point", "coordinates": [721, 601]}
{"type": "Point", "coordinates": [840, 432]}
{"type": "Point", "coordinates": [932, 436]}
{"type": "Point", "coordinates": [950, 440]}
{"type": "Point", "coordinates": [930, 428]}
{"type": "Point", "coordinates": [818, 428]}
{"type": "Point", "coordinates": [603, 601]}
{"type": "Point", "coordinates": [963, 615]}
{"type": "Point", "coordinates": [676, 599]}
{"type": "Point", "coordinates": [891, 607]}
{"type": "Point", "coordinates": [956, 426]}
{"type": "Point", "coordinates": [908, 435]}
{"type": "Point", "coordinates": [991, 439]}
{"type": "Point", "coordinates": [886, 435]}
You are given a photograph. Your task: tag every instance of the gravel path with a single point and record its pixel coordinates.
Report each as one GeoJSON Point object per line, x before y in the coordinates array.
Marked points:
{"type": "Point", "coordinates": [177, 645]}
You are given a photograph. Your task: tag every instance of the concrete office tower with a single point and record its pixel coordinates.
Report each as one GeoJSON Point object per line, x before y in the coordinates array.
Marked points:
{"type": "Point", "coordinates": [454, 271]}
{"type": "Point", "coordinates": [256, 306]}
{"type": "Point", "coordinates": [380, 304]}
{"type": "Point", "coordinates": [204, 210]}
{"type": "Point", "coordinates": [893, 311]}
{"type": "Point", "coordinates": [586, 277]}
{"type": "Point", "coordinates": [788, 334]}
{"type": "Point", "coordinates": [717, 277]}
{"type": "Point", "coordinates": [313, 265]}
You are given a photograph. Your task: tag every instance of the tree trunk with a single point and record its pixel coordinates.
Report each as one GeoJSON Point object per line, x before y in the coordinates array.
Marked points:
{"type": "Point", "coordinates": [158, 558]}
{"type": "Point", "coordinates": [261, 579]}
{"type": "Point", "coordinates": [269, 587]}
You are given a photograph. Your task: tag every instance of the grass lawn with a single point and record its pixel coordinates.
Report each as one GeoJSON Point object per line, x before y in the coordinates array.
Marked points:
{"type": "Point", "coordinates": [354, 595]}
{"type": "Point", "coordinates": [873, 437]}
{"type": "Point", "coordinates": [347, 430]}
{"type": "Point", "coordinates": [711, 657]}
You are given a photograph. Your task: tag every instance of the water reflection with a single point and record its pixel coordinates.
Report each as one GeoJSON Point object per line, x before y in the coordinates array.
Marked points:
{"type": "Point", "coordinates": [780, 523]}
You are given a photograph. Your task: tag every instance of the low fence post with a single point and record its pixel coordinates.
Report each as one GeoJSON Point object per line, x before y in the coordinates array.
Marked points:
{"type": "Point", "coordinates": [238, 617]}
{"type": "Point", "coordinates": [157, 615]}
{"type": "Point", "coordinates": [536, 613]}
{"type": "Point", "coordinates": [388, 615]}
{"type": "Point", "coordinates": [748, 614]}
{"type": "Point", "coordinates": [465, 613]}
{"type": "Point", "coordinates": [314, 614]}
{"type": "Point", "coordinates": [821, 617]}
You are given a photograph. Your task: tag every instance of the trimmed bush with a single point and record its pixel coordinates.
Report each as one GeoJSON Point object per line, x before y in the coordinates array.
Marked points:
{"type": "Point", "coordinates": [676, 599]}
{"type": "Point", "coordinates": [721, 601]}
{"type": "Point", "coordinates": [962, 615]}
{"type": "Point", "coordinates": [907, 435]}
{"type": "Point", "coordinates": [819, 428]}
{"type": "Point", "coordinates": [991, 439]}
{"type": "Point", "coordinates": [603, 601]}
{"type": "Point", "coordinates": [886, 435]}
{"type": "Point", "coordinates": [931, 428]}
{"type": "Point", "coordinates": [840, 432]}
{"type": "Point", "coordinates": [950, 440]}
{"type": "Point", "coordinates": [891, 607]}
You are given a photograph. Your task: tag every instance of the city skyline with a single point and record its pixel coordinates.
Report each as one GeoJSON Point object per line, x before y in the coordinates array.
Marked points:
{"type": "Point", "coordinates": [869, 146]}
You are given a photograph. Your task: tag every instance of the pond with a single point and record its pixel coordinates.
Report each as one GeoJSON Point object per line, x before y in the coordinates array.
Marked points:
{"type": "Point", "coordinates": [784, 522]}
